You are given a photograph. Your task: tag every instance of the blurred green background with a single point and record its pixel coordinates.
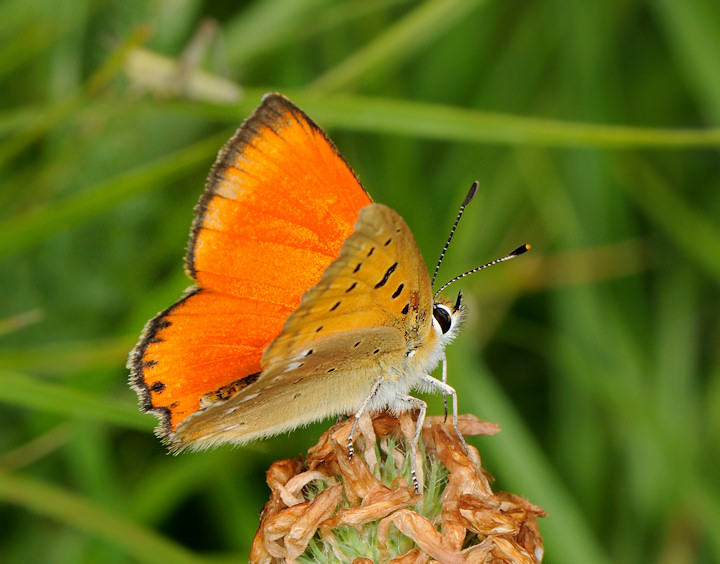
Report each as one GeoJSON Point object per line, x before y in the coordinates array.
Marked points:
{"type": "Point", "coordinates": [592, 126]}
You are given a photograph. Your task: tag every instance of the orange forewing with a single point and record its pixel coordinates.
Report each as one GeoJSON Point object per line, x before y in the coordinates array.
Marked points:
{"type": "Point", "coordinates": [279, 203]}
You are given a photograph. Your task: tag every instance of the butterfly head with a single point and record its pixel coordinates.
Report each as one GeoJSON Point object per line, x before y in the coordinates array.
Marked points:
{"type": "Point", "coordinates": [447, 317]}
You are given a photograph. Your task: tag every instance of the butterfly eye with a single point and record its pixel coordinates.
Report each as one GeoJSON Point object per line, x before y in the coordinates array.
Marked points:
{"type": "Point", "coordinates": [442, 316]}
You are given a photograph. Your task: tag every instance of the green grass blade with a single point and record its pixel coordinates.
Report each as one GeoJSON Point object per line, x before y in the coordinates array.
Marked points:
{"type": "Point", "coordinates": [693, 29]}
{"type": "Point", "coordinates": [437, 122]}
{"type": "Point", "coordinates": [31, 393]}
{"type": "Point", "coordinates": [525, 468]}
{"type": "Point", "coordinates": [464, 125]}
{"type": "Point", "coordinates": [22, 232]}
{"type": "Point", "coordinates": [80, 513]}
{"type": "Point", "coordinates": [691, 229]}
{"type": "Point", "coordinates": [397, 44]}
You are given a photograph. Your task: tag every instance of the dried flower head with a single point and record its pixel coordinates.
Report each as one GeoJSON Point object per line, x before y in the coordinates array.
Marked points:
{"type": "Point", "coordinates": [333, 508]}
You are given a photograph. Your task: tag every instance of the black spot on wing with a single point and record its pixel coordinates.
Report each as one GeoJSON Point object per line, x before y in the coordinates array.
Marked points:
{"type": "Point", "coordinates": [406, 309]}
{"type": "Point", "coordinates": [398, 291]}
{"type": "Point", "coordinates": [386, 277]}
{"type": "Point", "coordinates": [138, 365]}
{"type": "Point", "coordinates": [333, 308]}
{"type": "Point", "coordinates": [229, 390]}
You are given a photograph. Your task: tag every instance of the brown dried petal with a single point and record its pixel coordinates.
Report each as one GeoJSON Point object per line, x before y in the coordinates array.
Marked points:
{"type": "Point", "coordinates": [321, 508]}
{"type": "Point", "coordinates": [515, 503]}
{"type": "Point", "coordinates": [529, 538]}
{"type": "Point", "coordinates": [368, 437]}
{"type": "Point", "coordinates": [505, 524]}
{"type": "Point", "coordinates": [292, 492]}
{"type": "Point", "coordinates": [484, 520]}
{"type": "Point", "coordinates": [323, 458]}
{"type": "Point", "coordinates": [278, 474]}
{"type": "Point", "coordinates": [378, 504]}
{"type": "Point", "coordinates": [281, 471]}
{"type": "Point", "coordinates": [480, 553]}
{"type": "Point", "coordinates": [453, 530]}
{"type": "Point", "coordinates": [382, 493]}
{"type": "Point", "coordinates": [358, 478]}
{"type": "Point", "coordinates": [386, 424]}
{"type": "Point", "coordinates": [506, 551]}
{"type": "Point", "coordinates": [279, 524]}
{"type": "Point", "coordinates": [465, 474]}
{"type": "Point", "coordinates": [273, 531]}
{"type": "Point", "coordinates": [469, 425]}
{"type": "Point", "coordinates": [413, 556]}
{"type": "Point", "coordinates": [422, 532]}
{"type": "Point", "coordinates": [258, 551]}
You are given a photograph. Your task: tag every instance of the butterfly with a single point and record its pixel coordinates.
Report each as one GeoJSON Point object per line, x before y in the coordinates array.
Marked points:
{"type": "Point", "coordinates": [309, 299]}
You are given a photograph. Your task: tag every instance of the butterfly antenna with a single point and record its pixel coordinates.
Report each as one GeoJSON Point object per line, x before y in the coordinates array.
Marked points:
{"type": "Point", "coordinates": [470, 195]}
{"type": "Point", "coordinates": [516, 253]}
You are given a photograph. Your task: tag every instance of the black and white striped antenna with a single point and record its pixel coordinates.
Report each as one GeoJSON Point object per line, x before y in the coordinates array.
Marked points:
{"type": "Point", "coordinates": [470, 195]}
{"type": "Point", "coordinates": [516, 253]}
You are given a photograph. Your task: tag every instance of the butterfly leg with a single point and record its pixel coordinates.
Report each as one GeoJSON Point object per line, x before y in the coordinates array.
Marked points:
{"type": "Point", "coordinates": [421, 406]}
{"type": "Point", "coordinates": [449, 390]}
{"type": "Point", "coordinates": [362, 409]}
{"type": "Point", "coordinates": [444, 381]}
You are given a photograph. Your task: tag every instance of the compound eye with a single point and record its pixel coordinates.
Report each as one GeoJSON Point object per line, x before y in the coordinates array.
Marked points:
{"type": "Point", "coordinates": [442, 316]}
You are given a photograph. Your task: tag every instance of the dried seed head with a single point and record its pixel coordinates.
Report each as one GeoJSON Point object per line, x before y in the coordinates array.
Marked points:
{"type": "Point", "coordinates": [365, 509]}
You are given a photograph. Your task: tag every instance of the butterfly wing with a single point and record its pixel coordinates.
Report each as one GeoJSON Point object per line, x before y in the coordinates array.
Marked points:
{"type": "Point", "coordinates": [379, 280]}
{"type": "Point", "coordinates": [278, 205]}
{"type": "Point", "coordinates": [372, 307]}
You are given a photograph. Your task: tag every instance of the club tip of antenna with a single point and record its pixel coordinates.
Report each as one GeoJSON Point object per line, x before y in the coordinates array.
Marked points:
{"type": "Point", "coordinates": [520, 250]}
{"type": "Point", "coordinates": [471, 193]}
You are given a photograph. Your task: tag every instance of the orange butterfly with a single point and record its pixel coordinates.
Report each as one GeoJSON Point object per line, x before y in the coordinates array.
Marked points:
{"type": "Point", "coordinates": [310, 300]}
